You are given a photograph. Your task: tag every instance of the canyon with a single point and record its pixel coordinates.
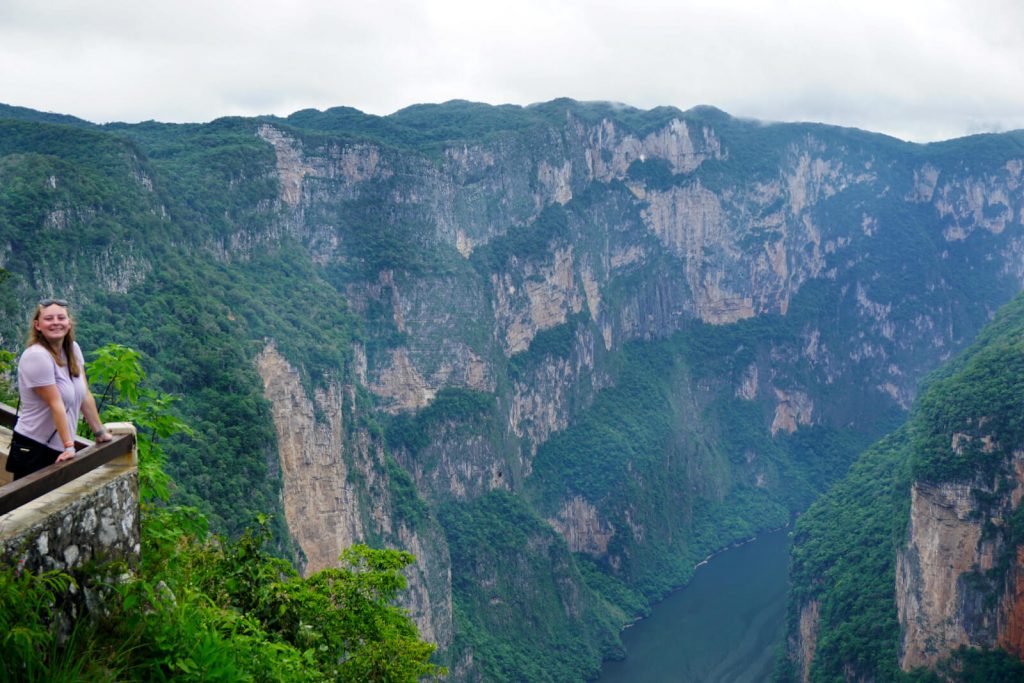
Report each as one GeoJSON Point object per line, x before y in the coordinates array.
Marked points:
{"type": "Point", "coordinates": [558, 352]}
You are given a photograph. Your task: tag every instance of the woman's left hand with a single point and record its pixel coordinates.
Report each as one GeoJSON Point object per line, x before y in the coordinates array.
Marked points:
{"type": "Point", "coordinates": [103, 436]}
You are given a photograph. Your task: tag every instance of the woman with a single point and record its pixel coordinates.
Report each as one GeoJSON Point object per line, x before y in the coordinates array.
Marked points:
{"type": "Point", "coordinates": [52, 390]}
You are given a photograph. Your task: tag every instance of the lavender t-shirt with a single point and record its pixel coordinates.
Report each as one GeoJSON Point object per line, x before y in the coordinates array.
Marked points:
{"type": "Point", "coordinates": [36, 368]}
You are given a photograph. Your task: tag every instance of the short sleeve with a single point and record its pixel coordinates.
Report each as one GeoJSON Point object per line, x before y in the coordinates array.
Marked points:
{"type": "Point", "coordinates": [35, 368]}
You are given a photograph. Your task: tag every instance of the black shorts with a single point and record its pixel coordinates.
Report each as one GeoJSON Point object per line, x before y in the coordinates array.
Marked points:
{"type": "Point", "coordinates": [28, 456]}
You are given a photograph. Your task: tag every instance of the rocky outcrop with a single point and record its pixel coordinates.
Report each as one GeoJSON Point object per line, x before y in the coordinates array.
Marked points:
{"type": "Point", "coordinates": [430, 351]}
{"type": "Point", "coordinates": [692, 224]}
{"type": "Point", "coordinates": [542, 399]}
{"type": "Point", "coordinates": [325, 510]}
{"type": "Point", "coordinates": [747, 390]}
{"type": "Point", "coordinates": [610, 151]}
{"type": "Point", "coordinates": [460, 465]}
{"type": "Point", "coordinates": [792, 409]}
{"type": "Point", "coordinates": [972, 204]}
{"type": "Point", "coordinates": [291, 167]}
{"type": "Point", "coordinates": [536, 297]}
{"type": "Point", "coordinates": [579, 523]}
{"type": "Point", "coordinates": [401, 385]}
{"type": "Point", "coordinates": [943, 546]}
{"type": "Point", "coordinates": [1011, 635]}
{"type": "Point", "coordinates": [119, 271]}
{"type": "Point", "coordinates": [948, 593]}
{"type": "Point", "coordinates": [813, 176]}
{"type": "Point", "coordinates": [806, 639]}
{"type": "Point", "coordinates": [429, 599]}
{"type": "Point", "coordinates": [321, 506]}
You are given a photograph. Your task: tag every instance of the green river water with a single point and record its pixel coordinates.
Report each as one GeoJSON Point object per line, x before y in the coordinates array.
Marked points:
{"type": "Point", "coordinates": [724, 626]}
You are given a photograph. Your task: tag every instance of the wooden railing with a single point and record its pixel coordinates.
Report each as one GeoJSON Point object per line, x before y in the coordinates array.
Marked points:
{"type": "Point", "coordinates": [89, 456]}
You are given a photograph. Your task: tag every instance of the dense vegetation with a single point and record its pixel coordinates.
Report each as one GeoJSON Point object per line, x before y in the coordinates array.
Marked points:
{"type": "Point", "coordinates": [486, 535]}
{"type": "Point", "coordinates": [975, 404]}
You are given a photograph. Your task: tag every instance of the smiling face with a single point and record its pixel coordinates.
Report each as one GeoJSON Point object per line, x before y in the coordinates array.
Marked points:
{"type": "Point", "coordinates": [52, 324]}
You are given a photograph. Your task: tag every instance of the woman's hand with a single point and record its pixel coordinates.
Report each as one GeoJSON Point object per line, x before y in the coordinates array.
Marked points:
{"type": "Point", "coordinates": [66, 455]}
{"type": "Point", "coordinates": [92, 416]}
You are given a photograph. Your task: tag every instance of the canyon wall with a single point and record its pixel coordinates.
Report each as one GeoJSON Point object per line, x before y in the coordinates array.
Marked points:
{"type": "Point", "coordinates": [598, 236]}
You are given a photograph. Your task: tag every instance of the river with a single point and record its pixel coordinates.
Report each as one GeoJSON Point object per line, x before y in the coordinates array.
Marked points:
{"type": "Point", "coordinates": [724, 626]}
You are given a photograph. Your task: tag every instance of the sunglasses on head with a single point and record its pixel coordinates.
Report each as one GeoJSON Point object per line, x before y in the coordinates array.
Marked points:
{"type": "Point", "coordinates": [49, 302]}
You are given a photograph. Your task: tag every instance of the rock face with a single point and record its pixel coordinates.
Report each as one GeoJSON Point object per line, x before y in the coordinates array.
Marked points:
{"type": "Point", "coordinates": [944, 577]}
{"type": "Point", "coordinates": [944, 544]}
{"type": "Point", "coordinates": [584, 532]}
{"type": "Point", "coordinates": [546, 294]}
{"type": "Point", "coordinates": [321, 505]}
{"type": "Point", "coordinates": [807, 638]}
{"type": "Point", "coordinates": [719, 253]}
{"type": "Point", "coordinates": [326, 511]}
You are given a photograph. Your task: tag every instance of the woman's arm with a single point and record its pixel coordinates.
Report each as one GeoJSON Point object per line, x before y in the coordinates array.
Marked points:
{"type": "Point", "coordinates": [92, 416]}
{"type": "Point", "coordinates": [51, 397]}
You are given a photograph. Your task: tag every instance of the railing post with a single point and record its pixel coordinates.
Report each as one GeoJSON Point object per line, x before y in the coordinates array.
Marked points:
{"type": "Point", "coordinates": [118, 428]}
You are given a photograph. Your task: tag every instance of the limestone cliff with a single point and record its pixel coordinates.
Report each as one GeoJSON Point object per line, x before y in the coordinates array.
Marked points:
{"type": "Point", "coordinates": [945, 578]}
{"type": "Point", "coordinates": [321, 507]}
{"type": "Point", "coordinates": [806, 638]}
{"type": "Point", "coordinates": [544, 394]}
{"type": "Point", "coordinates": [535, 297]}
{"type": "Point", "coordinates": [580, 525]}
{"type": "Point", "coordinates": [321, 461]}
{"type": "Point", "coordinates": [737, 251]}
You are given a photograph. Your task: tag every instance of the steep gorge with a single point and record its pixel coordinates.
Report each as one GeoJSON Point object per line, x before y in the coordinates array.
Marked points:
{"type": "Point", "coordinates": [560, 352]}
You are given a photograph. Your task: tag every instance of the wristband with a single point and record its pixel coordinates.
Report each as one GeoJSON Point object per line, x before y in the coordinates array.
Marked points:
{"type": "Point", "coordinates": [69, 444]}
{"type": "Point", "coordinates": [100, 432]}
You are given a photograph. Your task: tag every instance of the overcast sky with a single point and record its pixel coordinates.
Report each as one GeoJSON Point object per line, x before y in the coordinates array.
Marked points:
{"type": "Point", "coordinates": [918, 69]}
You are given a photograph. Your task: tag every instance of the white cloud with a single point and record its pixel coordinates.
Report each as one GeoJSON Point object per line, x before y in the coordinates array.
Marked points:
{"type": "Point", "coordinates": [919, 70]}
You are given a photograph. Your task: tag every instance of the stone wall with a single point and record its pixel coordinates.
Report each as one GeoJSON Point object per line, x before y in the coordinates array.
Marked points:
{"type": "Point", "coordinates": [93, 518]}
{"type": "Point", "coordinates": [85, 523]}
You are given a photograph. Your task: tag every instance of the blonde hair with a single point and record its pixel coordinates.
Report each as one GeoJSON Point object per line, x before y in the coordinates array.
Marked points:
{"type": "Point", "coordinates": [67, 346]}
